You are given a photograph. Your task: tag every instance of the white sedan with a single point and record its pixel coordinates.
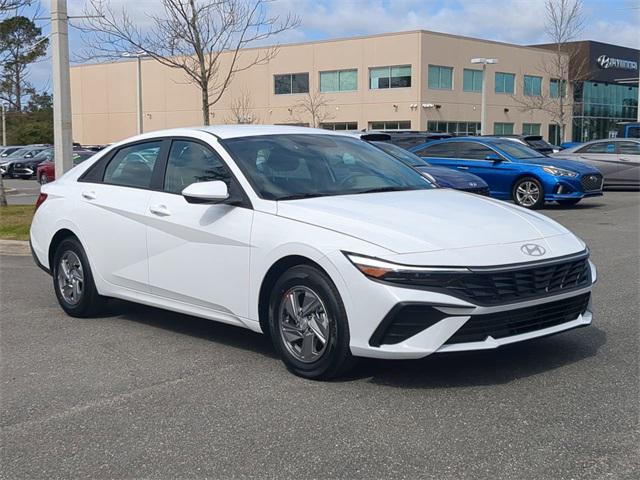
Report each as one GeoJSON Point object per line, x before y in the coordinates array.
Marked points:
{"type": "Point", "coordinates": [321, 241]}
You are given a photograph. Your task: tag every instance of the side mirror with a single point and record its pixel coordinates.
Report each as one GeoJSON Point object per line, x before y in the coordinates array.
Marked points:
{"type": "Point", "coordinates": [206, 192]}
{"type": "Point", "coordinates": [494, 157]}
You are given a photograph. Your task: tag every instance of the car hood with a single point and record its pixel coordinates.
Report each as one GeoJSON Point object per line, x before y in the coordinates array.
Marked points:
{"type": "Point", "coordinates": [447, 177]}
{"type": "Point", "coordinates": [422, 220]}
{"type": "Point", "coordinates": [561, 163]}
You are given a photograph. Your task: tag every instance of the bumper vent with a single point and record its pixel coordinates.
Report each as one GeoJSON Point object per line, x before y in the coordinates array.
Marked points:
{"type": "Point", "coordinates": [404, 321]}
{"type": "Point", "coordinates": [591, 182]}
{"type": "Point", "coordinates": [522, 320]}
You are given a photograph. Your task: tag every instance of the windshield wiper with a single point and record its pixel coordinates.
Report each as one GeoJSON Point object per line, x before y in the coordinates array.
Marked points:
{"type": "Point", "coordinates": [299, 196]}
{"type": "Point", "coordinates": [385, 189]}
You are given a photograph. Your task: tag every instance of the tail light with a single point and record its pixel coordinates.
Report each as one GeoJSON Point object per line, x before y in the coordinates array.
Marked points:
{"type": "Point", "coordinates": [41, 198]}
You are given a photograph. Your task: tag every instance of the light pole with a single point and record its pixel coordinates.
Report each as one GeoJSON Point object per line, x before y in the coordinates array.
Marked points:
{"type": "Point", "coordinates": [139, 56]}
{"type": "Point", "coordinates": [483, 107]}
{"type": "Point", "coordinates": [4, 126]}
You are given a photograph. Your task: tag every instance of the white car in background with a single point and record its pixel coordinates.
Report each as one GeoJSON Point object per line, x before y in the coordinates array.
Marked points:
{"type": "Point", "coordinates": [324, 242]}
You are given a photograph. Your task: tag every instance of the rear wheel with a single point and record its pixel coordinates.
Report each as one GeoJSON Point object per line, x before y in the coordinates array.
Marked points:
{"type": "Point", "coordinates": [528, 192]}
{"type": "Point", "coordinates": [569, 202]}
{"type": "Point", "coordinates": [73, 281]}
{"type": "Point", "coordinates": [308, 324]}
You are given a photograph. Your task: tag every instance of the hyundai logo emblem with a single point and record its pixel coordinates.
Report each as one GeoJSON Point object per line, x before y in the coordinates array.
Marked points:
{"type": "Point", "coordinates": [533, 249]}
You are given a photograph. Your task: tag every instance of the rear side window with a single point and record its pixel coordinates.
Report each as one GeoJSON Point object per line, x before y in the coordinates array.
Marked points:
{"type": "Point", "coordinates": [600, 147]}
{"type": "Point", "coordinates": [629, 148]}
{"type": "Point", "coordinates": [473, 151]}
{"type": "Point", "coordinates": [191, 162]}
{"type": "Point", "coordinates": [133, 166]}
{"type": "Point", "coordinates": [443, 150]}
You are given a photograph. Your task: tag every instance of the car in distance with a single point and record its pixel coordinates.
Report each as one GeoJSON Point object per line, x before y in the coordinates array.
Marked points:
{"type": "Point", "coordinates": [617, 158]}
{"type": "Point", "coordinates": [515, 171]}
{"type": "Point", "coordinates": [46, 171]}
{"type": "Point", "coordinates": [24, 154]}
{"type": "Point", "coordinates": [440, 176]}
{"type": "Point", "coordinates": [324, 242]}
{"type": "Point", "coordinates": [26, 168]}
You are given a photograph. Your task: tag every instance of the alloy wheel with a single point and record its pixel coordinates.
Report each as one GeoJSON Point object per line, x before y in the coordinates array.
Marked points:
{"type": "Point", "coordinates": [70, 278]}
{"type": "Point", "coordinates": [303, 322]}
{"type": "Point", "coordinates": [527, 194]}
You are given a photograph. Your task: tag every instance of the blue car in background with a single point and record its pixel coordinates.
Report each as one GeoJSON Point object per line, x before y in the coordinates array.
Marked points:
{"type": "Point", "coordinates": [515, 171]}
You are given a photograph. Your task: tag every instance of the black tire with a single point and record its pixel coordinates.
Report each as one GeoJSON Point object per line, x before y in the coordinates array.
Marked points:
{"type": "Point", "coordinates": [569, 202]}
{"type": "Point", "coordinates": [336, 358]}
{"type": "Point", "coordinates": [90, 303]}
{"type": "Point", "coordinates": [525, 202]}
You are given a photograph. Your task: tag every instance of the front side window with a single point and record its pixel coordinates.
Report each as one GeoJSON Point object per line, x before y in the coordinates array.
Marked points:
{"type": "Point", "coordinates": [505, 82]}
{"type": "Point", "coordinates": [339, 81]}
{"type": "Point", "coordinates": [629, 148]}
{"type": "Point", "coordinates": [289, 83]}
{"type": "Point", "coordinates": [285, 167]}
{"type": "Point", "coordinates": [532, 86]}
{"type": "Point", "coordinates": [191, 162]}
{"type": "Point", "coordinates": [531, 129]}
{"type": "Point", "coordinates": [500, 128]}
{"type": "Point", "coordinates": [133, 166]}
{"type": "Point", "coordinates": [440, 78]}
{"type": "Point", "coordinates": [599, 147]}
{"type": "Point", "coordinates": [390, 77]}
{"type": "Point", "coordinates": [516, 149]}
{"type": "Point", "coordinates": [472, 80]}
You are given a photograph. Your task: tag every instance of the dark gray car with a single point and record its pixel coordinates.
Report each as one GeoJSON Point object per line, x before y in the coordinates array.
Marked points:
{"type": "Point", "coordinates": [617, 158]}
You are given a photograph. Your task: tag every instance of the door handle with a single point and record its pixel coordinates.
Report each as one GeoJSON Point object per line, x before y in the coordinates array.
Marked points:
{"type": "Point", "coordinates": [89, 195]}
{"type": "Point", "coordinates": [160, 210]}
{"type": "Point", "coordinates": [462, 168]}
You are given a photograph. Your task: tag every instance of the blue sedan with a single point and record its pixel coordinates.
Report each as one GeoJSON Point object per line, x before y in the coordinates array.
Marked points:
{"type": "Point", "coordinates": [515, 171]}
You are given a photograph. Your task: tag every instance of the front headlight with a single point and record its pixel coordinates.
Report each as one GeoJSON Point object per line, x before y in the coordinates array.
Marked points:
{"type": "Point", "coordinates": [559, 172]}
{"type": "Point", "coordinates": [406, 274]}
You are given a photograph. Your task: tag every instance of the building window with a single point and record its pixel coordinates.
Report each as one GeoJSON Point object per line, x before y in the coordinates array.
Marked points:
{"type": "Point", "coordinates": [340, 126]}
{"type": "Point", "coordinates": [440, 78]}
{"type": "Point", "coordinates": [339, 81]}
{"type": "Point", "coordinates": [454, 128]}
{"type": "Point", "coordinates": [500, 128]}
{"type": "Point", "coordinates": [554, 88]}
{"type": "Point", "coordinates": [402, 125]}
{"type": "Point", "coordinates": [390, 77]}
{"type": "Point", "coordinates": [531, 129]}
{"type": "Point", "coordinates": [289, 83]}
{"type": "Point", "coordinates": [472, 80]}
{"type": "Point", "coordinates": [505, 82]}
{"type": "Point", "coordinates": [532, 86]}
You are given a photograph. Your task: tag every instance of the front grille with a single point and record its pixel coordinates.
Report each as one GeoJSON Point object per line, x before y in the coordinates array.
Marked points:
{"type": "Point", "coordinates": [592, 181]}
{"type": "Point", "coordinates": [522, 320]}
{"type": "Point", "coordinates": [511, 285]}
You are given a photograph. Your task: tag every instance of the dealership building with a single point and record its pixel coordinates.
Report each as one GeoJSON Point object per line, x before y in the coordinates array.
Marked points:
{"type": "Point", "coordinates": [414, 80]}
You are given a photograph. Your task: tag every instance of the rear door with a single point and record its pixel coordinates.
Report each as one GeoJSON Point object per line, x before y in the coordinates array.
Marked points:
{"type": "Point", "coordinates": [498, 175]}
{"type": "Point", "coordinates": [629, 163]}
{"type": "Point", "coordinates": [603, 156]}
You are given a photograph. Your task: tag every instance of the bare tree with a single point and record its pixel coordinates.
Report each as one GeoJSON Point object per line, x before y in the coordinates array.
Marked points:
{"type": "Point", "coordinates": [6, 5]}
{"type": "Point", "coordinates": [203, 38]}
{"type": "Point", "coordinates": [565, 67]}
{"type": "Point", "coordinates": [242, 111]}
{"type": "Point", "coordinates": [315, 106]}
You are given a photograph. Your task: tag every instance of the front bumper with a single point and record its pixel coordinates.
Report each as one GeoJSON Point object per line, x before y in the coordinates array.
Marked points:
{"type": "Point", "coordinates": [563, 188]}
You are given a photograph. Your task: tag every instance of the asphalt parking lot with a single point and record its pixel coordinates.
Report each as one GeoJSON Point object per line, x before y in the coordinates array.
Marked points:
{"type": "Point", "coordinates": [21, 192]}
{"type": "Point", "coordinates": [142, 393]}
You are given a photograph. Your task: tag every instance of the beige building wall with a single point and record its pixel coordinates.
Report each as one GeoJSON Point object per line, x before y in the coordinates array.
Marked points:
{"type": "Point", "coordinates": [104, 102]}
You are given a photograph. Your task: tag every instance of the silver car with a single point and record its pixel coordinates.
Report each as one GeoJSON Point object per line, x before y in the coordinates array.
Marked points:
{"type": "Point", "coordinates": [617, 158]}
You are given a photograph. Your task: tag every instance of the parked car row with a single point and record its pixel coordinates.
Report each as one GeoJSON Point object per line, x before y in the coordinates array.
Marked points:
{"type": "Point", "coordinates": [25, 161]}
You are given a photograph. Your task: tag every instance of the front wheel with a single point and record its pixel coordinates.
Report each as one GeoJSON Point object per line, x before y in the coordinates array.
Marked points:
{"type": "Point", "coordinates": [528, 193]}
{"type": "Point", "coordinates": [569, 202]}
{"type": "Point", "coordinates": [308, 324]}
{"type": "Point", "coordinates": [73, 281]}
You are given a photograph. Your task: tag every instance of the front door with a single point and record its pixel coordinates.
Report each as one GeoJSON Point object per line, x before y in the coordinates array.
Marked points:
{"type": "Point", "coordinates": [198, 253]}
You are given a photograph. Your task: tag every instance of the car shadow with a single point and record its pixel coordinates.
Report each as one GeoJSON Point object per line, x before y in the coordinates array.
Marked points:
{"type": "Point", "coordinates": [584, 205]}
{"type": "Point", "coordinates": [451, 370]}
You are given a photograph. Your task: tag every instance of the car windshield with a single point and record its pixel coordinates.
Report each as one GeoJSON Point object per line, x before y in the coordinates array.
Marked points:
{"type": "Point", "coordinates": [46, 154]}
{"type": "Point", "coordinates": [401, 154]}
{"type": "Point", "coordinates": [516, 149]}
{"type": "Point", "coordinates": [286, 167]}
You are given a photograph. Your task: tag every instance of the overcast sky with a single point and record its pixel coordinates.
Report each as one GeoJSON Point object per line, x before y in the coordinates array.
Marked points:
{"type": "Point", "coordinates": [514, 21]}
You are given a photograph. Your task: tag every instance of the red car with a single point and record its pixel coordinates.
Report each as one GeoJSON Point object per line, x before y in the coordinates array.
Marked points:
{"type": "Point", "coordinates": [46, 171]}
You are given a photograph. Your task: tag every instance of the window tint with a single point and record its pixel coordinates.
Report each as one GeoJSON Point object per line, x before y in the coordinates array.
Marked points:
{"type": "Point", "coordinates": [190, 162]}
{"type": "Point", "coordinates": [599, 147]}
{"type": "Point", "coordinates": [291, 83]}
{"type": "Point", "coordinates": [472, 80]}
{"type": "Point", "coordinates": [440, 78]}
{"type": "Point", "coordinates": [629, 148]}
{"type": "Point", "coordinates": [505, 82]}
{"type": "Point", "coordinates": [132, 166]}
{"type": "Point", "coordinates": [532, 86]}
{"type": "Point", "coordinates": [443, 150]}
{"type": "Point", "coordinates": [390, 77]}
{"type": "Point", "coordinates": [339, 81]}
{"type": "Point", "coordinates": [473, 151]}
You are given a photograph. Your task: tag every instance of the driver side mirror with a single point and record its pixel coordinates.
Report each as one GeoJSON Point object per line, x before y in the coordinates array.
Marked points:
{"type": "Point", "coordinates": [206, 192]}
{"type": "Point", "coordinates": [494, 157]}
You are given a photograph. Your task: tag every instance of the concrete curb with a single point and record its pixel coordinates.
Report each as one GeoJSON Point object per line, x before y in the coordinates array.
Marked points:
{"type": "Point", "coordinates": [14, 247]}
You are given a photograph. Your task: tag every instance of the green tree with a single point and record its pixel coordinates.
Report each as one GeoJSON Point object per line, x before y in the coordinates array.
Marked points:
{"type": "Point", "coordinates": [34, 124]}
{"type": "Point", "coordinates": [21, 44]}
